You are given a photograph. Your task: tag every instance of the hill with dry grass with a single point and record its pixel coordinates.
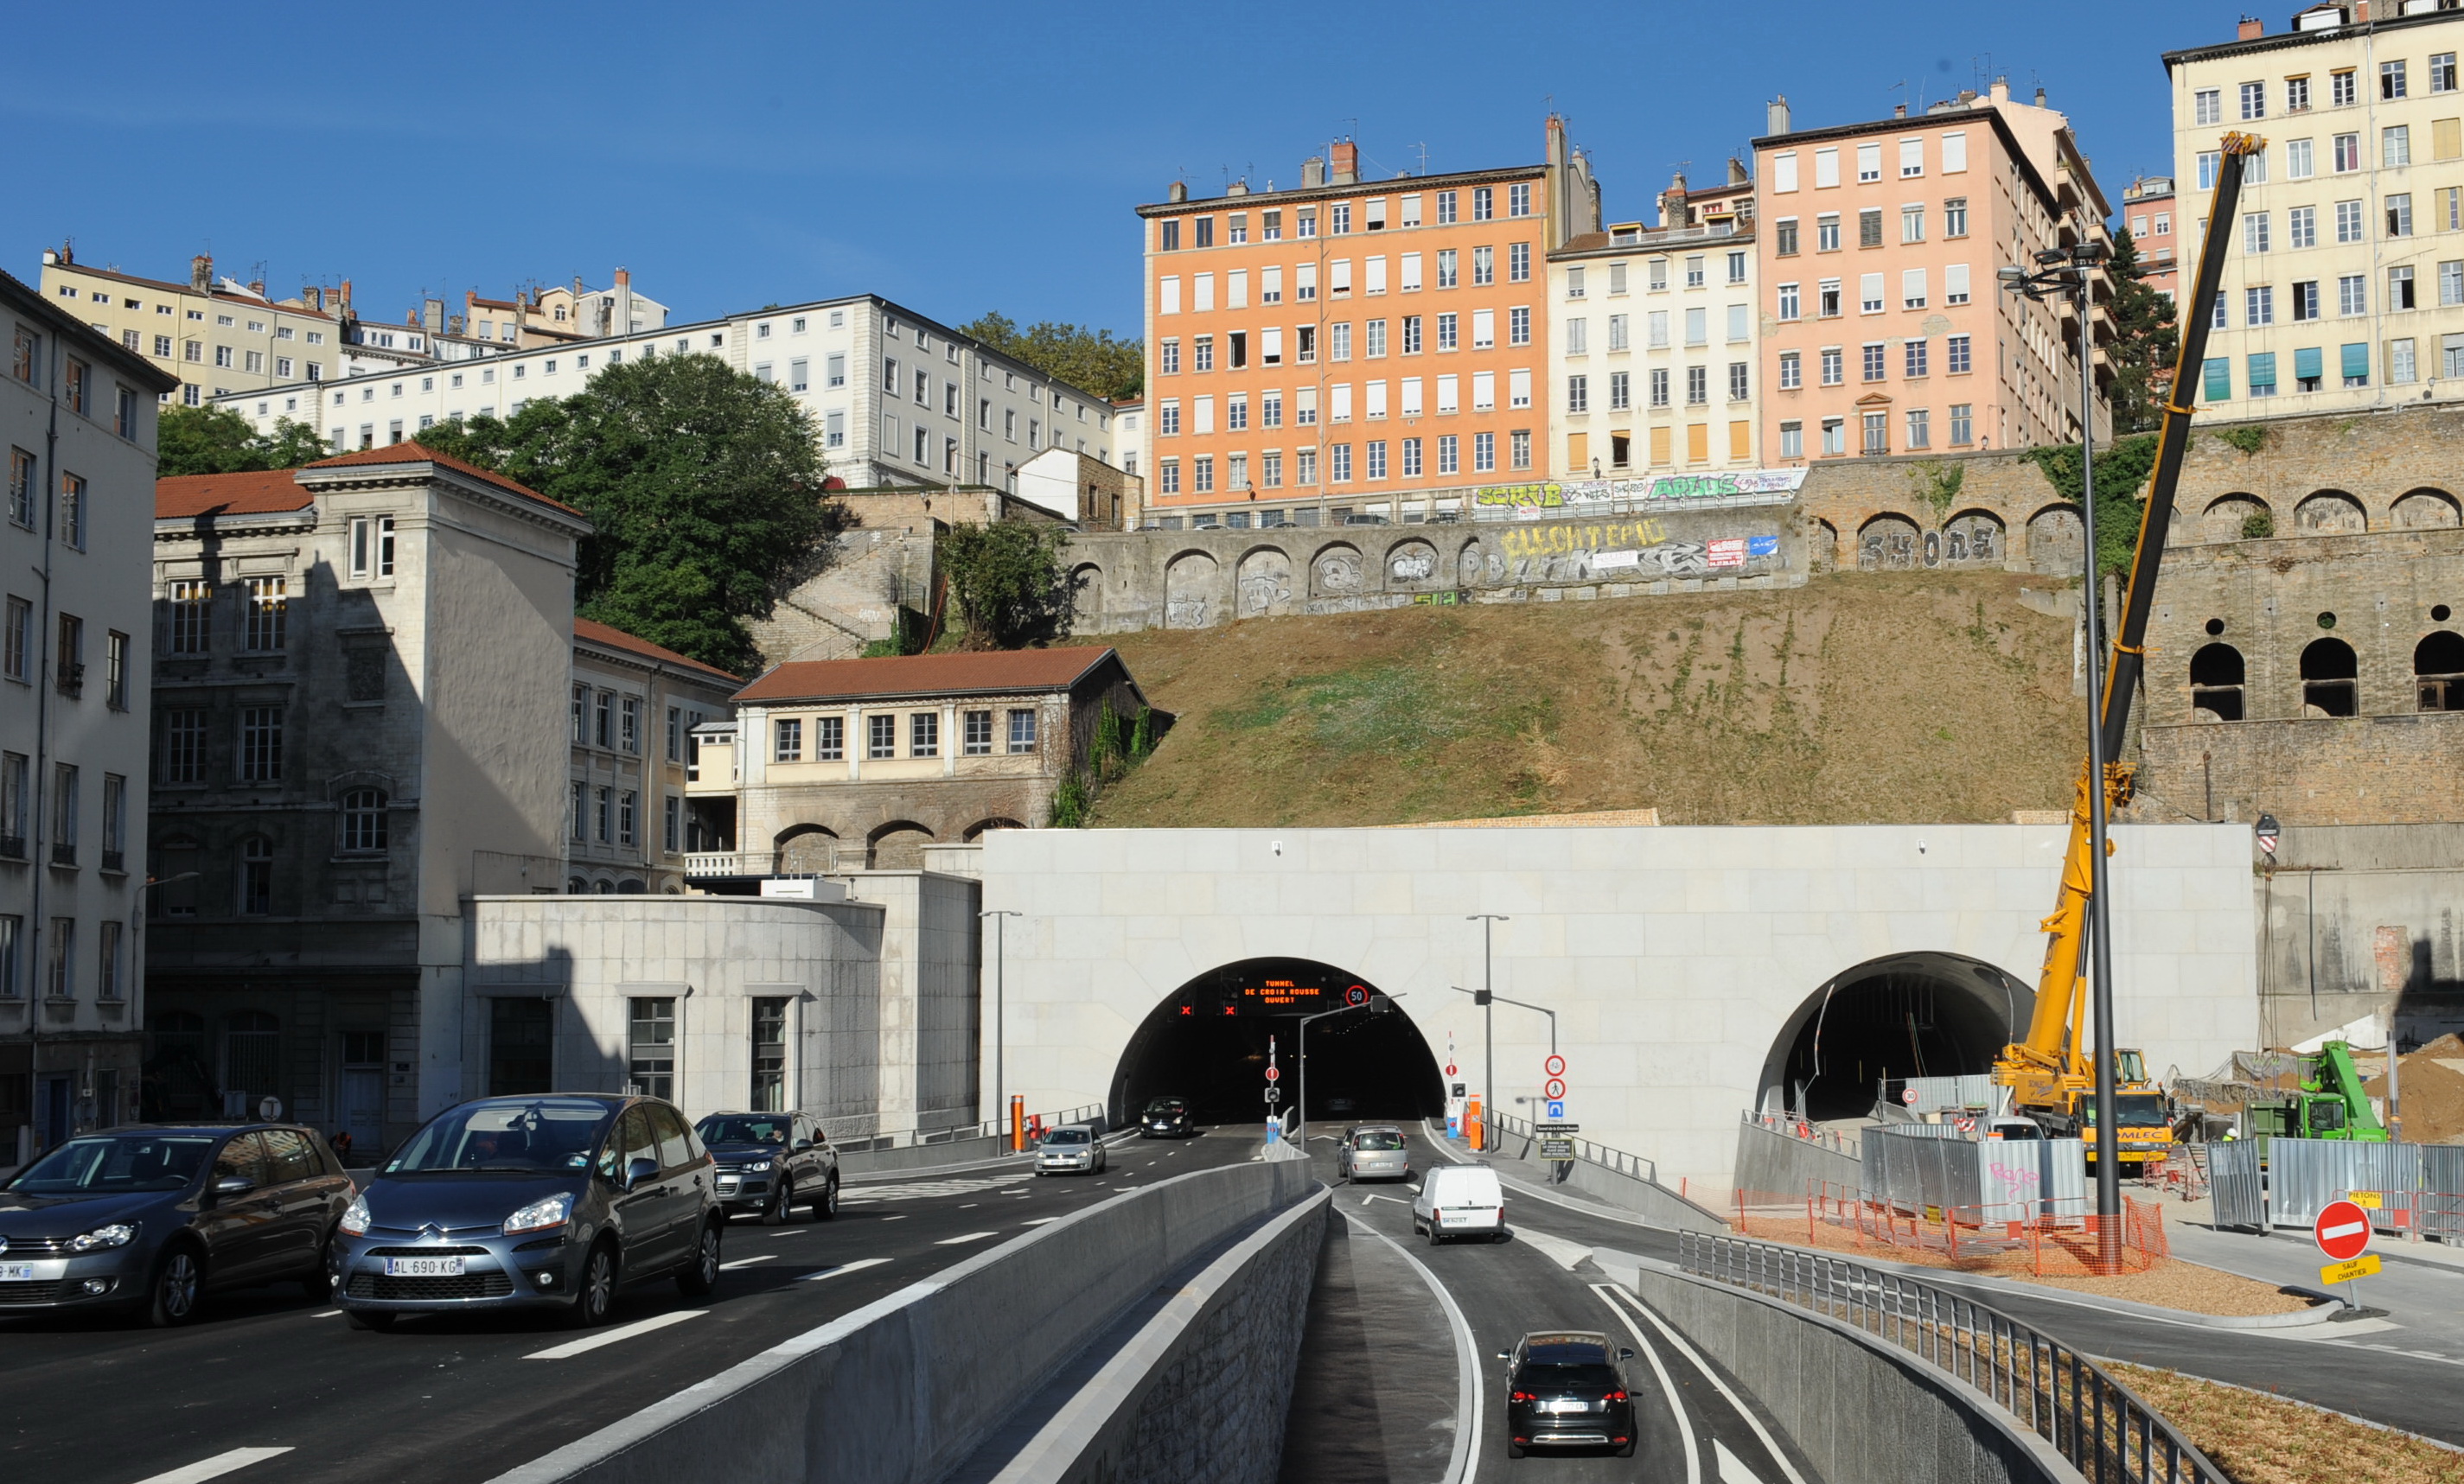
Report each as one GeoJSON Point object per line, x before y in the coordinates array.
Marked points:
{"type": "Point", "coordinates": [1914, 698]}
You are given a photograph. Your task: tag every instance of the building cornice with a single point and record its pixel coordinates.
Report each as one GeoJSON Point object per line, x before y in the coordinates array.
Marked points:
{"type": "Point", "coordinates": [2286, 41]}
{"type": "Point", "coordinates": [1403, 184]}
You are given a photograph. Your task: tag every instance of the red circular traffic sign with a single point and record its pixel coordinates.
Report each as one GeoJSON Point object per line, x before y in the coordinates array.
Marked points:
{"type": "Point", "coordinates": [1555, 1090]}
{"type": "Point", "coordinates": [1450, 1069]}
{"type": "Point", "coordinates": [1274, 1074]}
{"type": "Point", "coordinates": [1554, 1066]}
{"type": "Point", "coordinates": [2343, 1230]}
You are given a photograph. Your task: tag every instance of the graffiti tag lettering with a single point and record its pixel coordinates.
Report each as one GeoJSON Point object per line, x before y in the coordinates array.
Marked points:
{"type": "Point", "coordinates": [1555, 495]}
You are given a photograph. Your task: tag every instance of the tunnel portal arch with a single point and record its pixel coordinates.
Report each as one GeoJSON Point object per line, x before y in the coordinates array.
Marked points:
{"type": "Point", "coordinates": [1925, 1014]}
{"type": "Point", "coordinates": [1207, 1041]}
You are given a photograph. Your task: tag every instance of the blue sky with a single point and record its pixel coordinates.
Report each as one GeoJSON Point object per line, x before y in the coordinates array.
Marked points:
{"type": "Point", "coordinates": [958, 158]}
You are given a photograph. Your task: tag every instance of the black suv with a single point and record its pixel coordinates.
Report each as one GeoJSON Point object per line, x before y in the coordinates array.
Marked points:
{"type": "Point", "coordinates": [773, 1163]}
{"type": "Point", "coordinates": [1567, 1389]}
{"type": "Point", "coordinates": [153, 1215]}
{"type": "Point", "coordinates": [544, 1201]}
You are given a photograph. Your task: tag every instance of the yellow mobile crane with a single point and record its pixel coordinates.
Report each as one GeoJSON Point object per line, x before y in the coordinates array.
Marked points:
{"type": "Point", "coordinates": [2051, 1075]}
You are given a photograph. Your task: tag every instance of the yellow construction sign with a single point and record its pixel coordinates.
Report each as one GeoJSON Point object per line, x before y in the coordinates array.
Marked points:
{"type": "Point", "coordinates": [2365, 1265]}
{"type": "Point", "coordinates": [2368, 1200]}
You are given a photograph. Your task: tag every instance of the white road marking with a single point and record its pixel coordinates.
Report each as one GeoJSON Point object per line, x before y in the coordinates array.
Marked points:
{"type": "Point", "coordinates": [1732, 1469]}
{"type": "Point", "coordinates": [1394, 1199]}
{"type": "Point", "coordinates": [741, 1262]}
{"type": "Point", "coordinates": [1469, 1405]}
{"type": "Point", "coordinates": [901, 1217]}
{"type": "Point", "coordinates": [972, 1236]}
{"type": "Point", "coordinates": [857, 1266]}
{"type": "Point", "coordinates": [609, 1337]}
{"type": "Point", "coordinates": [1770, 1444]}
{"type": "Point", "coordinates": [1040, 1221]}
{"type": "Point", "coordinates": [324, 1313]}
{"type": "Point", "coordinates": [1564, 1254]}
{"type": "Point", "coordinates": [218, 1465]}
{"type": "Point", "coordinates": [971, 1205]}
{"type": "Point", "coordinates": [1676, 1404]}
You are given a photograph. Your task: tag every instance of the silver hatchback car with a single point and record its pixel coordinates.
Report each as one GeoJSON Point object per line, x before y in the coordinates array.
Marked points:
{"type": "Point", "coordinates": [1073, 1148]}
{"type": "Point", "coordinates": [1374, 1151]}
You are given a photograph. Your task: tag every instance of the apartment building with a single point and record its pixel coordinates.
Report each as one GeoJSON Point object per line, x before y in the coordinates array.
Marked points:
{"type": "Point", "coordinates": [1652, 359]}
{"type": "Point", "coordinates": [2344, 287]}
{"type": "Point", "coordinates": [896, 398]}
{"type": "Point", "coordinates": [1353, 349]}
{"type": "Point", "coordinates": [77, 423]}
{"type": "Point", "coordinates": [1879, 242]}
{"type": "Point", "coordinates": [2147, 211]}
{"type": "Point", "coordinates": [636, 705]}
{"type": "Point", "coordinates": [360, 721]}
{"type": "Point", "coordinates": [544, 316]}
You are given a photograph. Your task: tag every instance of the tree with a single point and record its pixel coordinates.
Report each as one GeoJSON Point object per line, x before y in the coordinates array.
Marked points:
{"type": "Point", "coordinates": [1012, 589]}
{"type": "Point", "coordinates": [1089, 360]}
{"type": "Point", "coordinates": [2146, 340]}
{"type": "Point", "coordinates": [210, 440]}
{"type": "Point", "coordinates": [704, 486]}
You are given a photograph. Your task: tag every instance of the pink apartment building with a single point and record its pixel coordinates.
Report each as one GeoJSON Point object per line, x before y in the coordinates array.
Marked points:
{"type": "Point", "coordinates": [1884, 330]}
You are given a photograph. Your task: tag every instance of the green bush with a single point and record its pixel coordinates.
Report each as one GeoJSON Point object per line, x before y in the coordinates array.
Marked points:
{"type": "Point", "coordinates": [2259, 524]}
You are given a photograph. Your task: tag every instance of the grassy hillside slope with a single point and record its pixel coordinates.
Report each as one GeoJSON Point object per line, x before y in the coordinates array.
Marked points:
{"type": "Point", "coordinates": [1916, 697]}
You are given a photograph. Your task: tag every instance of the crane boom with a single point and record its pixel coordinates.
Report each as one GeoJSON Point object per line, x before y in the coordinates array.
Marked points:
{"type": "Point", "coordinates": [2047, 1071]}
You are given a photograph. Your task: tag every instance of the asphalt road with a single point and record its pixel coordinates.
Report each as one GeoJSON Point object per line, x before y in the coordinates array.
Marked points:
{"type": "Point", "coordinates": [1404, 1417]}
{"type": "Point", "coordinates": [450, 1398]}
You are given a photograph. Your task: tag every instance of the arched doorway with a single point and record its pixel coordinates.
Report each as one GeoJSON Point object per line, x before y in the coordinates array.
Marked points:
{"type": "Point", "coordinates": [1906, 1014]}
{"type": "Point", "coordinates": [1207, 1043]}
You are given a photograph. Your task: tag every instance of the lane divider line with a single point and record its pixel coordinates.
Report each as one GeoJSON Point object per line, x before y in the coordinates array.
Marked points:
{"type": "Point", "coordinates": [1658, 1368]}
{"type": "Point", "coordinates": [217, 1466]}
{"type": "Point", "coordinates": [743, 1262]}
{"type": "Point", "coordinates": [1468, 1404]}
{"type": "Point", "coordinates": [857, 1266]}
{"type": "Point", "coordinates": [1040, 1221]}
{"type": "Point", "coordinates": [609, 1337]}
{"type": "Point", "coordinates": [958, 1241]}
{"type": "Point", "coordinates": [1770, 1444]}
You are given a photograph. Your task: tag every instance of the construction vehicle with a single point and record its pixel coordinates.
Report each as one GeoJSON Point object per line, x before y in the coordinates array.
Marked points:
{"type": "Point", "coordinates": [2051, 1073]}
{"type": "Point", "coordinates": [2330, 1104]}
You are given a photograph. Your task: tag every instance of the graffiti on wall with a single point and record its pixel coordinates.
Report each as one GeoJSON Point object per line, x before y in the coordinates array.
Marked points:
{"type": "Point", "coordinates": [1339, 571]}
{"type": "Point", "coordinates": [1553, 494]}
{"type": "Point", "coordinates": [1620, 550]}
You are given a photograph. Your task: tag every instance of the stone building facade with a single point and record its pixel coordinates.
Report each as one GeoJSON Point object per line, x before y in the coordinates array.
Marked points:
{"type": "Point", "coordinates": [841, 765]}
{"type": "Point", "coordinates": [361, 719]}
{"type": "Point", "coordinates": [636, 705]}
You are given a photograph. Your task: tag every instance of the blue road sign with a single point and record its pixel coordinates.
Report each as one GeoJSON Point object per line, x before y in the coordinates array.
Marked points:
{"type": "Point", "coordinates": [1557, 1109]}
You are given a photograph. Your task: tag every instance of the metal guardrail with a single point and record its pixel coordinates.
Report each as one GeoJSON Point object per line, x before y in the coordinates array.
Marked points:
{"type": "Point", "coordinates": [983, 1129]}
{"type": "Point", "coordinates": [2090, 1418]}
{"type": "Point", "coordinates": [1641, 1166]}
{"type": "Point", "coordinates": [1803, 1132]}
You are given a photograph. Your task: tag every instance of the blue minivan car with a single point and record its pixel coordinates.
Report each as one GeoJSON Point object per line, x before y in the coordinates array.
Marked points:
{"type": "Point", "coordinates": [547, 1201]}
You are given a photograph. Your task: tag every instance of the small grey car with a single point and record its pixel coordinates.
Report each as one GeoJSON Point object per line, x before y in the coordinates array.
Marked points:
{"type": "Point", "coordinates": [1374, 1151]}
{"type": "Point", "coordinates": [1070, 1148]}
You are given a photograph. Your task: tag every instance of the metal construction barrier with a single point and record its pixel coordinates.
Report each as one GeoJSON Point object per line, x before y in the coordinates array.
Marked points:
{"type": "Point", "coordinates": [1941, 1094]}
{"type": "Point", "coordinates": [2304, 1174]}
{"type": "Point", "coordinates": [1792, 1126]}
{"type": "Point", "coordinates": [2237, 1184]}
{"type": "Point", "coordinates": [2092, 1419]}
{"type": "Point", "coordinates": [1914, 1170]}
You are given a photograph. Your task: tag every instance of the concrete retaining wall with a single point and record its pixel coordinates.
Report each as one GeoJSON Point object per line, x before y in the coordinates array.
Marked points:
{"type": "Point", "coordinates": [1862, 1412]}
{"type": "Point", "coordinates": [903, 1389]}
{"type": "Point", "coordinates": [1779, 1165]}
{"type": "Point", "coordinates": [1201, 1394]}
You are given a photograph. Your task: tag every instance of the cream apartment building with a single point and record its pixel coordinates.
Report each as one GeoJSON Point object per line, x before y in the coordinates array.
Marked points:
{"type": "Point", "coordinates": [897, 399]}
{"type": "Point", "coordinates": [2345, 285]}
{"type": "Point", "coordinates": [214, 336]}
{"type": "Point", "coordinates": [1652, 361]}
{"type": "Point", "coordinates": [76, 425]}
{"type": "Point", "coordinates": [1884, 332]}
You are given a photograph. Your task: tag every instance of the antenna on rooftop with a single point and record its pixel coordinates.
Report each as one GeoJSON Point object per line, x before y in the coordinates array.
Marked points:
{"type": "Point", "coordinates": [1423, 147]}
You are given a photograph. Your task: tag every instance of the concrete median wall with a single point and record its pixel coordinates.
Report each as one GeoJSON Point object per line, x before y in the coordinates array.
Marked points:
{"type": "Point", "coordinates": [1200, 1395]}
{"type": "Point", "coordinates": [905, 1389]}
{"type": "Point", "coordinates": [1862, 1412]}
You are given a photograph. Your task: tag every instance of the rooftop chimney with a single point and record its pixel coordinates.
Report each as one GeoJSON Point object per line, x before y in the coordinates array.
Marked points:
{"type": "Point", "coordinates": [1179, 191]}
{"type": "Point", "coordinates": [2001, 90]}
{"type": "Point", "coordinates": [2041, 96]}
{"type": "Point", "coordinates": [1899, 110]}
{"type": "Point", "coordinates": [344, 295]}
{"type": "Point", "coordinates": [201, 274]}
{"type": "Point", "coordinates": [1737, 175]}
{"type": "Point", "coordinates": [2250, 30]}
{"type": "Point", "coordinates": [432, 316]}
{"type": "Point", "coordinates": [1313, 172]}
{"type": "Point", "coordinates": [1347, 163]}
{"type": "Point", "coordinates": [1776, 117]}
{"type": "Point", "coordinates": [1237, 188]}
{"type": "Point", "coordinates": [256, 286]}
{"type": "Point", "coordinates": [624, 277]}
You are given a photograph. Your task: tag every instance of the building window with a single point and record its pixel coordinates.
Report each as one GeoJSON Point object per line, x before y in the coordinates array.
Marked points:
{"type": "Point", "coordinates": [1956, 354]}
{"type": "Point", "coordinates": [256, 876]}
{"type": "Point", "coordinates": [650, 1054]}
{"type": "Point", "coordinates": [628, 808]}
{"type": "Point", "coordinates": [976, 736]}
{"type": "Point", "coordinates": [115, 671]}
{"type": "Point", "coordinates": [924, 734]}
{"type": "Point", "coordinates": [882, 736]}
{"type": "Point", "coordinates": [1833, 365]}
{"type": "Point", "coordinates": [829, 739]}
{"type": "Point", "coordinates": [604, 716]}
{"type": "Point", "coordinates": [1912, 358]}
{"type": "Point", "coordinates": [1737, 383]}
{"type": "Point", "coordinates": [1621, 391]}
{"type": "Point", "coordinates": [71, 521]}
{"type": "Point", "coordinates": [1919, 428]}
{"type": "Point", "coordinates": [1878, 433]}
{"type": "Point", "coordinates": [1484, 452]}
{"type": "Point", "coordinates": [769, 1055]}
{"type": "Point", "coordinates": [1021, 730]}
{"type": "Point", "coordinates": [1578, 395]}
{"type": "Point", "coordinates": [1519, 448]}
{"type": "Point", "coordinates": [1873, 359]}
{"type": "Point", "coordinates": [603, 815]}
{"type": "Point", "coordinates": [372, 546]}
{"type": "Point", "coordinates": [787, 739]}
{"type": "Point", "coordinates": [2352, 294]}
{"type": "Point", "coordinates": [1792, 371]}
{"type": "Point", "coordinates": [1518, 262]}
{"type": "Point", "coordinates": [673, 811]}
{"type": "Point", "coordinates": [1963, 424]}
{"type": "Point", "coordinates": [268, 610]}
{"type": "Point", "coordinates": [578, 808]}
{"type": "Point", "coordinates": [260, 744]}
{"type": "Point", "coordinates": [190, 617]}
{"type": "Point", "coordinates": [1835, 437]}
{"type": "Point", "coordinates": [2400, 282]}
{"type": "Point", "coordinates": [628, 733]}
{"type": "Point", "coordinates": [363, 822]}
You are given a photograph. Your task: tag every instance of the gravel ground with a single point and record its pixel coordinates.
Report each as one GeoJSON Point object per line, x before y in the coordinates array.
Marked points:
{"type": "Point", "coordinates": [2260, 1439]}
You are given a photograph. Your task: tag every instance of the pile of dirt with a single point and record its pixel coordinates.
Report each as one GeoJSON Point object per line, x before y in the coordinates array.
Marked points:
{"type": "Point", "coordinates": [1871, 698]}
{"type": "Point", "coordinates": [2431, 1092]}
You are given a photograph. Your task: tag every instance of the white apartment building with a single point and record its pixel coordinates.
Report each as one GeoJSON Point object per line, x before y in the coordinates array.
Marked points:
{"type": "Point", "coordinates": [897, 399]}
{"type": "Point", "coordinates": [1653, 364]}
{"type": "Point", "coordinates": [2344, 287]}
{"type": "Point", "coordinates": [77, 423]}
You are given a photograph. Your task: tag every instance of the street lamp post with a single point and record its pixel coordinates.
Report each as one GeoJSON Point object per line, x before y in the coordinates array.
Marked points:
{"type": "Point", "coordinates": [1300, 1105]}
{"type": "Point", "coordinates": [1488, 921]}
{"type": "Point", "coordinates": [1000, 968]}
{"type": "Point", "coordinates": [2071, 272]}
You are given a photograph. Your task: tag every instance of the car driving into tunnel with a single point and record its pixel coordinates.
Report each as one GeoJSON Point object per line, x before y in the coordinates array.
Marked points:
{"type": "Point", "coordinates": [1167, 1118]}
{"type": "Point", "coordinates": [1372, 1151]}
{"type": "Point", "coordinates": [1567, 1389]}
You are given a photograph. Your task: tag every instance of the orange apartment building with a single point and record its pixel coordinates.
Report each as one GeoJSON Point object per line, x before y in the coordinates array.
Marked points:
{"type": "Point", "coordinates": [1353, 350]}
{"type": "Point", "coordinates": [1884, 329]}
{"type": "Point", "coordinates": [2147, 211]}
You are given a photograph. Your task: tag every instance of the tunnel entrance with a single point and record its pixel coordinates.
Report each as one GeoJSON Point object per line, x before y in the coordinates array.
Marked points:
{"type": "Point", "coordinates": [1909, 1014]}
{"type": "Point", "coordinates": [1207, 1043]}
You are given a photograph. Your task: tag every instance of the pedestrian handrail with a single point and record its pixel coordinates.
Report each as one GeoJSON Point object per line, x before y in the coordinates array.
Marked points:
{"type": "Point", "coordinates": [1641, 1166]}
{"type": "Point", "coordinates": [1798, 1128]}
{"type": "Point", "coordinates": [2103, 1427]}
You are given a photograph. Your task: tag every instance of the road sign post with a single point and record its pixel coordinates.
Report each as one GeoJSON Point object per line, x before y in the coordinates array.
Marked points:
{"type": "Point", "coordinates": [2343, 1235]}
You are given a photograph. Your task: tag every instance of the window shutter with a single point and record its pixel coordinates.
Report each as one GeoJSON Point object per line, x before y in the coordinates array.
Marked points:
{"type": "Point", "coordinates": [2220, 379]}
{"type": "Point", "coordinates": [2357, 360]}
{"type": "Point", "coordinates": [1954, 153]}
{"type": "Point", "coordinates": [2307, 363]}
{"type": "Point", "coordinates": [2263, 370]}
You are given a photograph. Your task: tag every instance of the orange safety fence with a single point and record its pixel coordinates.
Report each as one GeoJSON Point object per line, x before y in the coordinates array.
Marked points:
{"type": "Point", "coordinates": [2045, 1237]}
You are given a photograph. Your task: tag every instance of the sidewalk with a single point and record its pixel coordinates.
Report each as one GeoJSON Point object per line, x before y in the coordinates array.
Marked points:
{"type": "Point", "coordinates": [2420, 1288]}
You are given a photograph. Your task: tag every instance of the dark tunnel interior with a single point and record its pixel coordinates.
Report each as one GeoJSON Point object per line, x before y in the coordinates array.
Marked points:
{"type": "Point", "coordinates": [1933, 1014]}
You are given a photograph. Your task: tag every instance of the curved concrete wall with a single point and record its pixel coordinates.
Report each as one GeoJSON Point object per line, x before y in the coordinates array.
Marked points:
{"type": "Point", "coordinates": [1673, 956]}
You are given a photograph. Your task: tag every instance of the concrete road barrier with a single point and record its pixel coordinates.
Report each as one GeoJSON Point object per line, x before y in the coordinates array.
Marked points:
{"type": "Point", "coordinates": [904, 1390]}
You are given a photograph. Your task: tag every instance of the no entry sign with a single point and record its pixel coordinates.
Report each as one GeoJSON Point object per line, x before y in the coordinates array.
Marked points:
{"type": "Point", "coordinates": [1274, 1074]}
{"type": "Point", "coordinates": [2343, 1230]}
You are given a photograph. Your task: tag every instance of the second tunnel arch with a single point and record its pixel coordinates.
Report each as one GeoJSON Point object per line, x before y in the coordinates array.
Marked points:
{"type": "Point", "coordinates": [1922, 1014]}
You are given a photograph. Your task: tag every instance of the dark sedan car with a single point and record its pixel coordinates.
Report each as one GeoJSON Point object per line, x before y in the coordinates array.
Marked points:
{"type": "Point", "coordinates": [773, 1163]}
{"type": "Point", "coordinates": [154, 1216]}
{"type": "Point", "coordinates": [1167, 1118]}
{"type": "Point", "coordinates": [546, 1201]}
{"type": "Point", "coordinates": [1565, 1389]}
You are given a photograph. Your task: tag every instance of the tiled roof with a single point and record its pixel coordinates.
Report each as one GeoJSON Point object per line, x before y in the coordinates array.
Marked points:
{"type": "Point", "coordinates": [260, 492]}
{"type": "Point", "coordinates": [415, 452]}
{"type": "Point", "coordinates": [927, 674]}
{"type": "Point", "coordinates": [614, 638]}
{"type": "Point", "coordinates": [217, 291]}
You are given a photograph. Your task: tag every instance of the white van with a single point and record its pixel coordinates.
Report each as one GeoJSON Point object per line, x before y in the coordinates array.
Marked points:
{"type": "Point", "coordinates": [1458, 1200]}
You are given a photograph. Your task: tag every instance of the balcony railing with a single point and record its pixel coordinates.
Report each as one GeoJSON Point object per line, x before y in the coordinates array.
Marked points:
{"type": "Point", "coordinates": [13, 847]}
{"type": "Point", "coordinates": [724, 863]}
{"type": "Point", "coordinates": [114, 861]}
{"type": "Point", "coordinates": [64, 852]}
